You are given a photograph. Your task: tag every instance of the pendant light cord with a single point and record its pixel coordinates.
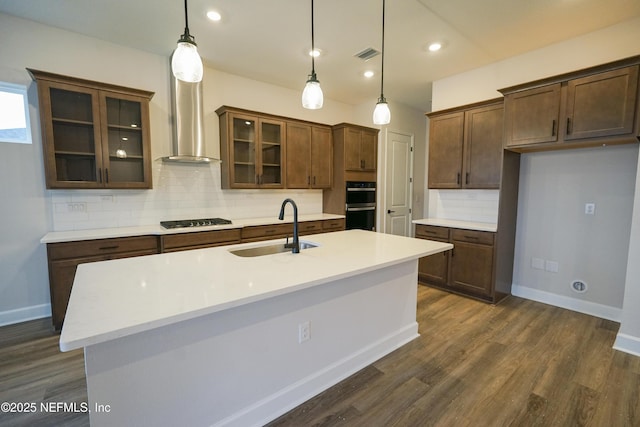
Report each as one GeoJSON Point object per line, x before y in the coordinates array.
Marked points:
{"type": "Point", "coordinates": [313, 47]}
{"type": "Point", "coordinates": [382, 69]}
{"type": "Point", "coordinates": [186, 18]}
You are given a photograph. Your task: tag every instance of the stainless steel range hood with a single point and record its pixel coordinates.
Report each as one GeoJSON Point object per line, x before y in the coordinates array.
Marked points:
{"type": "Point", "coordinates": [188, 123]}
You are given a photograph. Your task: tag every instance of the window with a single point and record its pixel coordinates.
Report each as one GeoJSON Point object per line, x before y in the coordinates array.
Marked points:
{"type": "Point", "coordinates": [14, 114]}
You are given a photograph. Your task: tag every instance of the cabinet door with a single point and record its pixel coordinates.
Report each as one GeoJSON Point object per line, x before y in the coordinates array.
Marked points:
{"type": "Point", "coordinates": [445, 150]}
{"type": "Point", "coordinates": [483, 147]}
{"type": "Point", "coordinates": [71, 135]}
{"type": "Point", "coordinates": [126, 149]}
{"type": "Point", "coordinates": [472, 267]}
{"type": "Point", "coordinates": [242, 151]}
{"type": "Point", "coordinates": [368, 150]}
{"type": "Point", "coordinates": [602, 104]}
{"type": "Point", "coordinates": [434, 269]}
{"type": "Point", "coordinates": [321, 157]}
{"type": "Point", "coordinates": [532, 116]}
{"type": "Point", "coordinates": [299, 137]}
{"type": "Point", "coordinates": [352, 149]}
{"type": "Point", "coordinates": [270, 153]}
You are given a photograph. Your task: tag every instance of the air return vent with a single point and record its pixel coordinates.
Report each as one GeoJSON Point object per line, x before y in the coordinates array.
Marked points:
{"type": "Point", "coordinates": [367, 54]}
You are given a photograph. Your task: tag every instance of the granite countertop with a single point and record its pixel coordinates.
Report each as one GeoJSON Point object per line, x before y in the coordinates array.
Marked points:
{"type": "Point", "coordinates": [116, 298]}
{"type": "Point", "coordinates": [467, 225]}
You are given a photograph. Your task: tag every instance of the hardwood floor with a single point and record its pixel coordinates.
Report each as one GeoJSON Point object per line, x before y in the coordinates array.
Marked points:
{"type": "Point", "coordinates": [519, 363]}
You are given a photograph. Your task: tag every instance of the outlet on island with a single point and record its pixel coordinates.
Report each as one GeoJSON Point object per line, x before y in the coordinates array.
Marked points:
{"type": "Point", "coordinates": [304, 333]}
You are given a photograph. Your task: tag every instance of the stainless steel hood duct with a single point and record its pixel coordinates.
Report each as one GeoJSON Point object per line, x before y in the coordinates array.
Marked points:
{"type": "Point", "coordinates": [188, 126]}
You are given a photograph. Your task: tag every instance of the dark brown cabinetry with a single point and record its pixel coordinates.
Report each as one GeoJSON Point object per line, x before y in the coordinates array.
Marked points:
{"type": "Point", "coordinates": [95, 135]}
{"type": "Point", "coordinates": [360, 147]}
{"type": "Point", "coordinates": [589, 107]}
{"type": "Point", "coordinates": [198, 240]}
{"type": "Point", "coordinates": [469, 268]}
{"type": "Point", "coordinates": [309, 156]}
{"type": "Point", "coordinates": [65, 257]}
{"type": "Point", "coordinates": [465, 146]}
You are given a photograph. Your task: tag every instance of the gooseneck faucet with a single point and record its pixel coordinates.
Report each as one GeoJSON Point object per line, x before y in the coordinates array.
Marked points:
{"type": "Point", "coordinates": [295, 246]}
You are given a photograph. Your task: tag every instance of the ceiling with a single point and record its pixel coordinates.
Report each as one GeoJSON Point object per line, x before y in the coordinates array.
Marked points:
{"type": "Point", "coordinates": [269, 40]}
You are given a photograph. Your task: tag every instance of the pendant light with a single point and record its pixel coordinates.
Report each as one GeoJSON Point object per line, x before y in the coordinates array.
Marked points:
{"type": "Point", "coordinates": [382, 114]}
{"type": "Point", "coordinates": [186, 64]}
{"type": "Point", "coordinates": [312, 98]}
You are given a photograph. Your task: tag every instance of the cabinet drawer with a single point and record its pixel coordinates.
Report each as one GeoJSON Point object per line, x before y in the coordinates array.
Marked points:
{"type": "Point", "coordinates": [266, 231]}
{"type": "Point", "coordinates": [85, 248]}
{"type": "Point", "coordinates": [333, 224]}
{"type": "Point", "coordinates": [202, 239]}
{"type": "Point", "coordinates": [432, 232]}
{"type": "Point", "coordinates": [310, 227]}
{"type": "Point", "coordinates": [471, 236]}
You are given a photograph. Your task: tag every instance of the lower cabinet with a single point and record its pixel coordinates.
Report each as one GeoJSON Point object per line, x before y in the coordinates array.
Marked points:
{"type": "Point", "coordinates": [469, 268]}
{"type": "Point", "coordinates": [198, 240]}
{"type": "Point", "coordinates": [65, 257]}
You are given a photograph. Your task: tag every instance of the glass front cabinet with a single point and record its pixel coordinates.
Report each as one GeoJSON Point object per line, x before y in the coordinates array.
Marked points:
{"type": "Point", "coordinates": [95, 135]}
{"type": "Point", "coordinates": [252, 150]}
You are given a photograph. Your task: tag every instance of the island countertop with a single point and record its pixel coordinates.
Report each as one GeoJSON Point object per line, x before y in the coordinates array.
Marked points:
{"type": "Point", "coordinates": [117, 298]}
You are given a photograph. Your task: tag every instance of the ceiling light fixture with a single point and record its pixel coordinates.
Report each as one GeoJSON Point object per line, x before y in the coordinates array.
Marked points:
{"type": "Point", "coordinates": [382, 114]}
{"type": "Point", "coordinates": [368, 74]}
{"type": "Point", "coordinates": [312, 97]}
{"type": "Point", "coordinates": [434, 47]}
{"type": "Point", "coordinates": [214, 16]}
{"type": "Point", "coordinates": [186, 64]}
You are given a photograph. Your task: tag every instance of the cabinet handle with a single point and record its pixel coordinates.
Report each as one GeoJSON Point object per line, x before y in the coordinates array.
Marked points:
{"type": "Point", "coordinates": [458, 179]}
{"type": "Point", "coordinates": [314, 180]}
{"type": "Point", "coordinates": [569, 130]}
{"type": "Point", "coordinates": [106, 175]}
{"type": "Point", "coordinates": [106, 248]}
{"type": "Point", "coordinates": [100, 175]}
{"type": "Point", "coordinates": [466, 180]}
{"type": "Point", "coordinates": [553, 128]}
{"type": "Point", "coordinates": [471, 237]}
{"type": "Point", "coordinates": [308, 180]}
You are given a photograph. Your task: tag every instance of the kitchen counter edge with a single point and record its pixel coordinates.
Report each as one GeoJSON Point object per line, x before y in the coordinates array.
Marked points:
{"type": "Point", "coordinates": [451, 223]}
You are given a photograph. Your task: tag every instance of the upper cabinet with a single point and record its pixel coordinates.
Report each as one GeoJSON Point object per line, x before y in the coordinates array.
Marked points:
{"type": "Point", "coordinates": [465, 146]}
{"type": "Point", "coordinates": [95, 135]}
{"type": "Point", "coordinates": [590, 107]}
{"type": "Point", "coordinates": [309, 156]}
{"type": "Point", "coordinates": [360, 147]}
{"type": "Point", "coordinates": [252, 150]}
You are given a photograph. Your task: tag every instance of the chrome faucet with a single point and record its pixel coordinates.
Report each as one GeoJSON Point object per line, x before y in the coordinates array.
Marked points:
{"type": "Point", "coordinates": [295, 245]}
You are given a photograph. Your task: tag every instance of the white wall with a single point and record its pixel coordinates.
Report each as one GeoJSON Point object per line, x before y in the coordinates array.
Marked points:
{"type": "Point", "coordinates": [29, 210]}
{"type": "Point", "coordinates": [602, 46]}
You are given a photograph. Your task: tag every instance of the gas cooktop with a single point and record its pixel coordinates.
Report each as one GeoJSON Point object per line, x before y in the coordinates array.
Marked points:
{"type": "Point", "coordinates": [203, 222]}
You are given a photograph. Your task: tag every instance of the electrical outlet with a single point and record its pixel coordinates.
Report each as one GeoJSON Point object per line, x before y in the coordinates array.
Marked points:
{"type": "Point", "coordinates": [551, 266]}
{"type": "Point", "coordinates": [77, 207]}
{"type": "Point", "coordinates": [304, 333]}
{"type": "Point", "coordinates": [589, 208]}
{"type": "Point", "coordinates": [537, 263]}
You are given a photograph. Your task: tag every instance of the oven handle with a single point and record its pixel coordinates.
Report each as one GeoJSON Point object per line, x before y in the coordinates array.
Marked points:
{"type": "Point", "coordinates": [361, 189]}
{"type": "Point", "coordinates": [368, 208]}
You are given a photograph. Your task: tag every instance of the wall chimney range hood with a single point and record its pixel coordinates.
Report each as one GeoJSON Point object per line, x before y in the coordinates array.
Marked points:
{"type": "Point", "coordinates": [188, 123]}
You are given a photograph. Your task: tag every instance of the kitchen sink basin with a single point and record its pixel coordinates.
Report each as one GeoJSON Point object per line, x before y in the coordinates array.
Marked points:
{"type": "Point", "coordinates": [269, 249]}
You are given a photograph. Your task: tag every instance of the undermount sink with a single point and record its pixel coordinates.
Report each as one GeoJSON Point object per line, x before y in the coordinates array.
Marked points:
{"type": "Point", "coordinates": [269, 249]}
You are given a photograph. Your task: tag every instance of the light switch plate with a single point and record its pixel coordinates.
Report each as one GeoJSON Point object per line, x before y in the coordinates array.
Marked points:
{"type": "Point", "coordinates": [589, 208]}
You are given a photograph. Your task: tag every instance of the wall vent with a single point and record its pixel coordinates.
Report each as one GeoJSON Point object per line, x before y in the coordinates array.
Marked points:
{"type": "Point", "coordinates": [367, 54]}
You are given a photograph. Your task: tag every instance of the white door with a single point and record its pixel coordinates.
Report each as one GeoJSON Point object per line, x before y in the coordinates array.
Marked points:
{"type": "Point", "coordinates": [399, 183]}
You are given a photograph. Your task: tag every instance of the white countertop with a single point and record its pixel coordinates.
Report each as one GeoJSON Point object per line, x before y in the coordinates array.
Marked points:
{"type": "Point", "coordinates": [144, 230]}
{"type": "Point", "coordinates": [467, 225]}
{"type": "Point", "coordinates": [116, 298]}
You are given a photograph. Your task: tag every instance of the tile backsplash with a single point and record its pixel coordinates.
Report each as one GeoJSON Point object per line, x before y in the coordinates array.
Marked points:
{"type": "Point", "coordinates": [464, 205]}
{"type": "Point", "coordinates": [179, 191]}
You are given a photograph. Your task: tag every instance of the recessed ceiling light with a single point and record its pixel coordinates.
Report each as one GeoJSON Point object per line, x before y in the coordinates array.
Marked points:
{"type": "Point", "coordinates": [214, 16]}
{"type": "Point", "coordinates": [434, 47]}
{"type": "Point", "coordinates": [315, 53]}
{"type": "Point", "coordinates": [368, 74]}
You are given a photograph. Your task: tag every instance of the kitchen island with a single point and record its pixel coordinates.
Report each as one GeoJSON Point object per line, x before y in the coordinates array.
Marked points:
{"type": "Point", "coordinates": [206, 337]}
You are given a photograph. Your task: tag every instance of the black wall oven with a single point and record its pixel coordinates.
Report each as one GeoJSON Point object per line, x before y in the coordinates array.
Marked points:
{"type": "Point", "coordinates": [361, 205]}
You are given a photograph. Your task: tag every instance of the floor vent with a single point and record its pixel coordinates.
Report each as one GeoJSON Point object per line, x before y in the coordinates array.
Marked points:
{"type": "Point", "coordinates": [367, 54]}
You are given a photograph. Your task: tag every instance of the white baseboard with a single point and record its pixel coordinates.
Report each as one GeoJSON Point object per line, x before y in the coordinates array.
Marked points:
{"type": "Point", "coordinates": [581, 306]}
{"type": "Point", "coordinates": [628, 344]}
{"type": "Point", "coordinates": [23, 314]}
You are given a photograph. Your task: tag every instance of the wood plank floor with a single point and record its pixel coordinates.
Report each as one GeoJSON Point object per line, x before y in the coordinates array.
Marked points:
{"type": "Point", "coordinates": [520, 363]}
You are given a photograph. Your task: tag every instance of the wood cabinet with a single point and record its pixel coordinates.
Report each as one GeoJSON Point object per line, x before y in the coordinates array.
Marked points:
{"type": "Point", "coordinates": [95, 135]}
{"type": "Point", "coordinates": [585, 108]}
{"type": "Point", "coordinates": [359, 147]}
{"type": "Point", "coordinates": [198, 240]}
{"type": "Point", "coordinates": [465, 146]}
{"type": "Point", "coordinates": [469, 268]}
{"type": "Point", "coordinates": [65, 257]}
{"type": "Point", "coordinates": [309, 156]}
{"type": "Point", "coordinates": [252, 149]}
